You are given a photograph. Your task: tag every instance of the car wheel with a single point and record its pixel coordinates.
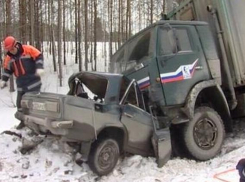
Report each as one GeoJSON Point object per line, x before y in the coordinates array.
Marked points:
{"type": "Point", "coordinates": [204, 135]}
{"type": "Point", "coordinates": [104, 156]}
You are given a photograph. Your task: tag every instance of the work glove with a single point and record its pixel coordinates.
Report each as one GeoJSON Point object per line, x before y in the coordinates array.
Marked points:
{"type": "Point", "coordinates": [40, 72]}
{"type": "Point", "coordinates": [3, 84]}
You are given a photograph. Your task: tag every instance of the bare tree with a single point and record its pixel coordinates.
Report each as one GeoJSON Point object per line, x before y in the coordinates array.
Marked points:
{"type": "Point", "coordinates": [22, 20]}
{"type": "Point", "coordinates": [79, 36]}
{"type": "Point", "coordinates": [37, 27]}
{"type": "Point", "coordinates": [51, 33]}
{"type": "Point", "coordinates": [151, 12]}
{"type": "Point", "coordinates": [110, 6]}
{"type": "Point", "coordinates": [95, 35]}
{"type": "Point", "coordinates": [119, 37]}
{"type": "Point", "coordinates": [32, 25]}
{"type": "Point", "coordinates": [59, 39]}
{"type": "Point", "coordinates": [90, 32]}
{"type": "Point", "coordinates": [86, 33]}
{"type": "Point", "coordinates": [64, 32]}
{"type": "Point", "coordinates": [76, 30]}
{"type": "Point", "coordinates": [8, 32]}
{"type": "Point", "coordinates": [128, 19]}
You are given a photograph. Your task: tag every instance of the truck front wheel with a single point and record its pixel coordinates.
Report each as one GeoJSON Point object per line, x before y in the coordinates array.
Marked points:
{"type": "Point", "coordinates": [204, 135]}
{"type": "Point", "coordinates": [104, 156]}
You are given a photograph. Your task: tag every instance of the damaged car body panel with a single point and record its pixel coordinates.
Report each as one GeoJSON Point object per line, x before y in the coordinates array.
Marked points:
{"type": "Point", "coordinates": [104, 114]}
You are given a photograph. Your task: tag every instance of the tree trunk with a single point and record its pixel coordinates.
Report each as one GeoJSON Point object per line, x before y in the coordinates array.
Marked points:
{"type": "Point", "coordinates": [79, 36]}
{"type": "Point", "coordinates": [64, 33]}
{"type": "Point", "coordinates": [52, 35]}
{"type": "Point", "coordinates": [151, 13]}
{"type": "Point", "coordinates": [123, 27]}
{"type": "Point", "coordinates": [119, 23]}
{"type": "Point", "coordinates": [95, 35]}
{"type": "Point", "coordinates": [37, 25]}
{"type": "Point", "coordinates": [76, 31]}
{"type": "Point", "coordinates": [86, 33]}
{"type": "Point", "coordinates": [110, 6]}
{"type": "Point", "coordinates": [22, 21]}
{"type": "Point", "coordinates": [129, 19]}
{"type": "Point", "coordinates": [91, 34]}
{"type": "Point", "coordinates": [8, 32]}
{"type": "Point", "coordinates": [32, 24]}
{"type": "Point", "coordinates": [59, 39]}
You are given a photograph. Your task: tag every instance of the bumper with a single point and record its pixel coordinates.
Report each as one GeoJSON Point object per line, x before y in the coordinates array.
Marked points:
{"type": "Point", "coordinates": [42, 125]}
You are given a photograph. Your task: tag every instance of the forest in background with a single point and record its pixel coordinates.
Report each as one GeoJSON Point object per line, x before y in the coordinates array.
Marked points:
{"type": "Point", "coordinates": [85, 22]}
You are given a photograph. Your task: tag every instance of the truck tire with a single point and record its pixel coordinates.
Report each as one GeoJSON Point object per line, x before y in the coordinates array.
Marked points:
{"type": "Point", "coordinates": [104, 156]}
{"type": "Point", "coordinates": [204, 135]}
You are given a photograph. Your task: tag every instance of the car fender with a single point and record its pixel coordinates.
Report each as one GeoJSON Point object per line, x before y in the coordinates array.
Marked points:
{"type": "Point", "coordinates": [115, 131]}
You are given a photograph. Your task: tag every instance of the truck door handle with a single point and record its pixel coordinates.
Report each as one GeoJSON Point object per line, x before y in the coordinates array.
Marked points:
{"type": "Point", "coordinates": [128, 115]}
{"type": "Point", "coordinates": [198, 67]}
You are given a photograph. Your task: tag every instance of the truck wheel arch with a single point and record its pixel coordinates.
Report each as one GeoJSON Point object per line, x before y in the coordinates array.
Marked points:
{"type": "Point", "coordinates": [214, 95]}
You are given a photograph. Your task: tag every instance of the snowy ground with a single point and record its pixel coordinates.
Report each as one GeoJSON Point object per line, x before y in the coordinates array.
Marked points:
{"type": "Point", "coordinates": [52, 161]}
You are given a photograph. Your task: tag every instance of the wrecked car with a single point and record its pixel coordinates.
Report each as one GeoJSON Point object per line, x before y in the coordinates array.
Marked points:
{"type": "Point", "coordinates": [104, 115]}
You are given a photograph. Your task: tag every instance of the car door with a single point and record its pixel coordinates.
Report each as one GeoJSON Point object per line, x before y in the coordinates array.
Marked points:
{"type": "Point", "coordinates": [181, 61]}
{"type": "Point", "coordinates": [137, 121]}
{"type": "Point", "coordinates": [144, 134]}
{"type": "Point", "coordinates": [139, 128]}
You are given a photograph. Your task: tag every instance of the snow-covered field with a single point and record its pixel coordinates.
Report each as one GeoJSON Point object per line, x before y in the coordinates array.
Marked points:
{"type": "Point", "coordinates": [52, 161]}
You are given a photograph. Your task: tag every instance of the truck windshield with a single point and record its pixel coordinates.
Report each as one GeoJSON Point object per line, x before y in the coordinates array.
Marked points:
{"type": "Point", "coordinates": [139, 49]}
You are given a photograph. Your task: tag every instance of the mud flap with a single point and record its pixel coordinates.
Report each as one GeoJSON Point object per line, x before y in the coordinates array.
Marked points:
{"type": "Point", "coordinates": [161, 142]}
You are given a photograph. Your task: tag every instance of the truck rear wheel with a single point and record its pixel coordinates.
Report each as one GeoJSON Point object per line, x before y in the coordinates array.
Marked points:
{"type": "Point", "coordinates": [204, 135]}
{"type": "Point", "coordinates": [104, 156]}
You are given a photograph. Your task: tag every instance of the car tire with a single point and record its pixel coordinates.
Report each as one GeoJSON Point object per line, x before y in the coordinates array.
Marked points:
{"type": "Point", "coordinates": [203, 136]}
{"type": "Point", "coordinates": [104, 156]}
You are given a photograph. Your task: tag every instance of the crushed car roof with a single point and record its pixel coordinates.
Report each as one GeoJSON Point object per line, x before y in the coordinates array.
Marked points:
{"type": "Point", "coordinates": [104, 85]}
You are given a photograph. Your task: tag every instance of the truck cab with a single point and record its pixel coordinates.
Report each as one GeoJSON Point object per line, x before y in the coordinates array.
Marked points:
{"type": "Point", "coordinates": [178, 69]}
{"type": "Point", "coordinates": [168, 58]}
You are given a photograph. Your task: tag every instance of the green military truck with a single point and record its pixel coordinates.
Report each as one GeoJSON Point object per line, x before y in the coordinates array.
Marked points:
{"type": "Point", "coordinates": [193, 72]}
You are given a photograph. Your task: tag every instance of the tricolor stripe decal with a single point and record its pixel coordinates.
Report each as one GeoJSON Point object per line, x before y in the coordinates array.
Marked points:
{"type": "Point", "coordinates": [182, 73]}
{"type": "Point", "coordinates": [144, 83]}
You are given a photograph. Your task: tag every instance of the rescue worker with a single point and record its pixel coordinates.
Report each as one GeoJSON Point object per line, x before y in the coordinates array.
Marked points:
{"type": "Point", "coordinates": [26, 63]}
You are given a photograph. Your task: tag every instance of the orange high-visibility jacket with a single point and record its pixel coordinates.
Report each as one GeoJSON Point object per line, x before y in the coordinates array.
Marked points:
{"type": "Point", "coordinates": [23, 65]}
